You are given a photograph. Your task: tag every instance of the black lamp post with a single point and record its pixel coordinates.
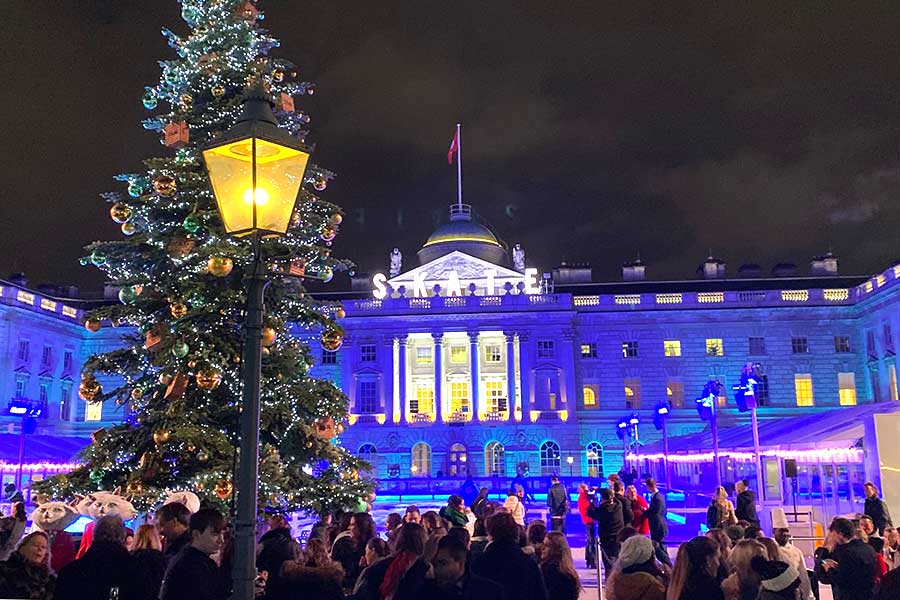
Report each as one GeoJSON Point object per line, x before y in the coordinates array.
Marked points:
{"type": "Point", "coordinates": [256, 170]}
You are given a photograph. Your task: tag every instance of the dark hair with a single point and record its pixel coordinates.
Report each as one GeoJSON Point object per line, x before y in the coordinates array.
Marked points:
{"type": "Point", "coordinates": [650, 482]}
{"type": "Point", "coordinates": [618, 486]}
{"type": "Point", "coordinates": [110, 529]}
{"type": "Point", "coordinates": [877, 544]}
{"type": "Point", "coordinates": [431, 520]}
{"type": "Point", "coordinates": [174, 511]}
{"type": "Point", "coordinates": [689, 562]}
{"type": "Point", "coordinates": [411, 538]}
{"type": "Point", "coordinates": [461, 533]}
{"type": "Point", "coordinates": [503, 528]}
{"type": "Point", "coordinates": [412, 508]}
{"type": "Point", "coordinates": [752, 532]}
{"type": "Point", "coordinates": [842, 526]}
{"type": "Point", "coordinates": [455, 500]}
{"type": "Point", "coordinates": [537, 531]}
{"type": "Point", "coordinates": [554, 478]}
{"type": "Point", "coordinates": [205, 518]}
{"type": "Point", "coordinates": [379, 546]}
{"type": "Point", "coordinates": [453, 546]}
{"type": "Point", "coordinates": [606, 494]}
{"type": "Point", "coordinates": [625, 533]}
{"type": "Point", "coordinates": [735, 533]}
{"type": "Point", "coordinates": [365, 529]}
{"type": "Point", "coordinates": [392, 521]}
{"type": "Point", "coordinates": [746, 482]}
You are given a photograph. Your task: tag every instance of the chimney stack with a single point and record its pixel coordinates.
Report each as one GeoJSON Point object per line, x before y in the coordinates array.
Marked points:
{"type": "Point", "coordinates": [713, 268]}
{"type": "Point", "coordinates": [634, 270]}
{"type": "Point", "coordinates": [825, 266]}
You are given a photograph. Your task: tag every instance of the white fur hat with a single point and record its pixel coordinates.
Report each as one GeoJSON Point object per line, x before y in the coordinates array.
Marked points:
{"type": "Point", "coordinates": [779, 519]}
{"type": "Point", "coordinates": [189, 499]}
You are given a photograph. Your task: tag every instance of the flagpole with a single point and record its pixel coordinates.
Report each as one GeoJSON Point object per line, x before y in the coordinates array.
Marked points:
{"type": "Point", "coordinates": [459, 166]}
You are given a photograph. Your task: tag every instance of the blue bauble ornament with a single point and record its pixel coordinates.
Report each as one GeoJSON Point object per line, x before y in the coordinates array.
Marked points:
{"type": "Point", "coordinates": [98, 258]}
{"type": "Point", "coordinates": [180, 349]}
{"type": "Point", "coordinates": [190, 14]}
{"type": "Point", "coordinates": [327, 274]}
{"type": "Point", "coordinates": [135, 189]}
{"type": "Point", "coordinates": [84, 261]}
{"type": "Point", "coordinates": [127, 295]}
{"type": "Point", "coordinates": [149, 100]}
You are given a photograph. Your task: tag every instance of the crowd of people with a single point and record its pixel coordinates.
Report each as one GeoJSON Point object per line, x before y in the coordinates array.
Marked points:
{"type": "Point", "coordinates": [474, 548]}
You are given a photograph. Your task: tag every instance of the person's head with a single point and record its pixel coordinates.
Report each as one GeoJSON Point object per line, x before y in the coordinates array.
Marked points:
{"type": "Point", "coordinates": [520, 491]}
{"type": "Point", "coordinates": [35, 549]}
{"type": "Point", "coordinates": [412, 514]}
{"type": "Point", "coordinates": [555, 550]}
{"type": "Point", "coordinates": [631, 492]}
{"type": "Point", "coordinates": [892, 537]}
{"type": "Point", "coordinates": [752, 532]}
{"type": "Point", "coordinates": [721, 494]}
{"type": "Point", "coordinates": [432, 521]}
{"type": "Point", "coordinates": [618, 487]}
{"type": "Point", "coordinates": [700, 554]}
{"type": "Point", "coordinates": [877, 544]}
{"type": "Point", "coordinates": [376, 549]}
{"type": "Point", "coordinates": [536, 532]}
{"type": "Point", "coordinates": [480, 528]}
{"type": "Point", "coordinates": [449, 563]}
{"type": "Point", "coordinates": [612, 479]}
{"type": "Point", "coordinates": [278, 522]}
{"type": "Point", "coordinates": [316, 553]}
{"type": "Point", "coordinates": [501, 527]}
{"type": "Point", "coordinates": [110, 529]}
{"type": "Point", "coordinates": [735, 533]}
{"type": "Point", "coordinates": [172, 520]}
{"type": "Point", "coordinates": [651, 485]}
{"type": "Point", "coordinates": [781, 535]}
{"type": "Point", "coordinates": [723, 542]}
{"type": "Point", "coordinates": [582, 487]}
{"type": "Point", "coordinates": [778, 578]}
{"type": "Point", "coordinates": [741, 485]}
{"type": "Point", "coordinates": [207, 528]}
{"type": "Point", "coordinates": [461, 533]}
{"type": "Point", "coordinates": [129, 539]}
{"type": "Point", "coordinates": [554, 479]}
{"type": "Point", "coordinates": [867, 524]}
{"type": "Point", "coordinates": [393, 521]}
{"type": "Point", "coordinates": [843, 529]}
{"type": "Point", "coordinates": [625, 533]}
{"type": "Point", "coordinates": [606, 495]}
{"type": "Point", "coordinates": [742, 555]}
{"type": "Point", "coordinates": [411, 538]}
{"type": "Point", "coordinates": [870, 490]}
{"type": "Point", "coordinates": [147, 538]}
{"type": "Point", "coordinates": [482, 493]}
{"type": "Point", "coordinates": [455, 502]}
{"type": "Point", "coordinates": [362, 528]}
{"type": "Point", "coordinates": [636, 550]}
{"type": "Point", "coordinates": [9, 488]}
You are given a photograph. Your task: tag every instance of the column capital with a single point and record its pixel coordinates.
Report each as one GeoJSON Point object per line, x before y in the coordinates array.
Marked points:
{"type": "Point", "coordinates": [524, 335]}
{"type": "Point", "coordinates": [473, 336]}
{"type": "Point", "coordinates": [401, 339]}
{"type": "Point", "coordinates": [438, 337]}
{"type": "Point", "coordinates": [388, 340]}
{"type": "Point", "coordinates": [510, 336]}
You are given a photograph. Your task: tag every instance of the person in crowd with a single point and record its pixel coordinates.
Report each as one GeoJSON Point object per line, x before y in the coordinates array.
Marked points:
{"type": "Point", "coordinates": [771, 547]}
{"type": "Point", "coordinates": [26, 573]}
{"type": "Point", "coordinates": [846, 562]}
{"type": "Point", "coordinates": [778, 580]}
{"type": "Point", "coordinates": [479, 504]}
{"type": "Point", "coordinates": [376, 549]}
{"type": "Point", "coordinates": [312, 576]}
{"type": "Point", "coordinates": [618, 489]}
{"type": "Point", "coordinates": [455, 511]}
{"type": "Point", "coordinates": [636, 574]}
{"type": "Point", "coordinates": [743, 583]}
{"type": "Point", "coordinates": [11, 494]}
{"type": "Point", "coordinates": [590, 528]}
{"type": "Point", "coordinates": [480, 538]}
{"type": "Point", "coordinates": [129, 539]}
{"type": "Point", "coordinates": [316, 555]}
{"type": "Point", "coordinates": [522, 481]}
{"type": "Point", "coordinates": [172, 522]}
{"type": "Point", "coordinates": [349, 550]}
{"type": "Point", "coordinates": [12, 528]}
{"type": "Point", "coordinates": [462, 534]}
{"type": "Point", "coordinates": [558, 569]}
{"type": "Point", "coordinates": [320, 529]}
{"type": "Point", "coordinates": [400, 576]}
{"type": "Point", "coordinates": [340, 527]}
{"type": "Point", "coordinates": [515, 505]}
{"type": "Point", "coordinates": [723, 543]}
{"type": "Point", "coordinates": [752, 532]}
{"type": "Point", "coordinates": [609, 519]}
{"type": "Point", "coordinates": [432, 521]}
{"type": "Point", "coordinates": [193, 575]}
{"type": "Point", "coordinates": [867, 528]}
{"type": "Point", "coordinates": [656, 515]}
{"type": "Point", "coordinates": [890, 586]}
{"type": "Point", "coordinates": [694, 573]}
{"type": "Point", "coordinates": [735, 533]}
{"type": "Point", "coordinates": [451, 579]}
{"type": "Point", "coordinates": [105, 565]}
{"type": "Point", "coordinates": [431, 545]}
{"type": "Point", "coordinates": [720, 513]}
{"type": "Point", "coordinates": [274, 548]}
{"type": "Point", "coordinates": [504, 562]}
{"type": "Point", "coordinates": [558, 504]}
{"type": "Point", "coordinates": [891, 548]}
{"type": "Point", "coordinates": [789, 553]}
{"type": "Point", "coordinates": [639, 508]}
{"type": "Point", "coordinates": [149, 562]}
{"type": "Point", "coordinates": [881, 567]}
{"type": "Point", "coordinates": [745, 510]}
{"type": "Point", "coordinates": [536, 533]}
{"type": "Point", "coordinates": [626, 532]}
{"type": "Point", "coordinates": [876, 508]}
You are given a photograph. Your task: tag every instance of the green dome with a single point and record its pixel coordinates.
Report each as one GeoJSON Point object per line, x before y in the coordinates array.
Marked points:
{"type": "Point", "coordinates": [465, 235]}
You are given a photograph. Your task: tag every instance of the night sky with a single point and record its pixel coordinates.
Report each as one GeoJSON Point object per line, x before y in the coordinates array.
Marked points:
{"type": "Point", "coordinates": [765, 132]}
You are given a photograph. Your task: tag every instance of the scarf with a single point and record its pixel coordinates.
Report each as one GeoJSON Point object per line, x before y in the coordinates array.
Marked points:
{"type": "Point", "coordinates": [395, 572]}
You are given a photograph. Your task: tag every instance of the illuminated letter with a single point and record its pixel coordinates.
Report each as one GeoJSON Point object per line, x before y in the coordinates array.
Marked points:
{"type": "Point", "coordinates": [419, 290]}
{"type": "Point", "coordinates": [489, 282]}
{"type": "Point", "coordinates": [531, 281]}
{"type": "Point", "coordinates": [378, 281]}
{"type": "Point", "coordinates": [453, 288]}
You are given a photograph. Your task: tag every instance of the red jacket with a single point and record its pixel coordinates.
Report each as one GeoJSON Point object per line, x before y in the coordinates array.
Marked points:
{"type": "Point", "coordinates": [583, 504]}
{"type": "Point", "coordinates": [639, 507]}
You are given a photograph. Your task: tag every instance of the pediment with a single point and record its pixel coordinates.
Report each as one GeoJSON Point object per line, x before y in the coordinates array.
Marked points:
{"type": "Point", "coordinates": [468, 268]}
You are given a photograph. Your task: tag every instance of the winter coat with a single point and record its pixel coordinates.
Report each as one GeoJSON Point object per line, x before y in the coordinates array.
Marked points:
{"type": "Point", "coordinates": [637, 586]}
{"type": "Point", "coordinates": [105, 565]}
{"type": "Point", "coordinates": [854, 576]}
{"type": "Point", "coordinates": [608, 516]}
{"type": "Point", "coordinates": [746, 507]}
{"type": "Point", "coordinates": [62, 549]}
{"type": "Point", "coordinates": [174, 548]}
{"type": "Point", "coordinates": [457, 518]}
{"type": "Point", "coordinates": [720, 515]}
{"type": "Point", "coordinates": [472, 587]}
{"type": "Point", "coordinates": [370, 580]}
{"type": "Point", "coordinates": [877, 509]}
{"type": "Point", "coordinates": [559, 585]}
{"type": "Point", "coordinates": [11, 531]}
{"type": "Point", "coordinates": [625, 503]}
{"type": "Point", "coordinates": [516, 508]}
{"type": "Point", "coordinates": [309, 583]}
{"type": "Point", "coordinates": [346, 552]}
{"type": "Point", "coordinates": [639, 521]}
{"type": "Point", "coordinates": [890, 586]}
{"type": "Point", "coordinates": [275, 547]}
{"type": "Point", "coordinates": [700, 586]}
{"type": "Point", "coordinates": [506, 564]}
{"type": "Point", "coordinates": [584, 502]}
{"type": "Point", "coordinates": [192, 575]}
{"type": "Point", "coordinates": [149, 570]}
{"type": "Point", "coordinates": [733, 590]}
{"type": "Point", "coordinates": [656, 517]}
{"type": "Point", "coordinates": [19, 579]}
{"type": "Point", "coordinates": [558, 500]}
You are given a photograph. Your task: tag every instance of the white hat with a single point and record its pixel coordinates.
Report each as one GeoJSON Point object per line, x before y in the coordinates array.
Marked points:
{"type": "Point", "coordinates": [779, 519]}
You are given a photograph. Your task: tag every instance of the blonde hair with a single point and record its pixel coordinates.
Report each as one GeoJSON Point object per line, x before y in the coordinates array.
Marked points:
{"type": "Point", "coordinates": [146, 538]}
{"type": "Point", "coordinates": [742, 555]}
{"type": "Point", "coordinates": [556, 550]}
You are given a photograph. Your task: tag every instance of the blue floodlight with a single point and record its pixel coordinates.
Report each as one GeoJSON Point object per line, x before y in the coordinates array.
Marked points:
{"type": "Point", "coordinates": [634, 419]}
{"type": "Point", "coordinates": [707, 399]}
{"type": "Point", "coordinates": [622, 427]}
{"type": "Point", "coordinates": [23, 407]}
{"type": "Point", "coordinates": [660, 414]}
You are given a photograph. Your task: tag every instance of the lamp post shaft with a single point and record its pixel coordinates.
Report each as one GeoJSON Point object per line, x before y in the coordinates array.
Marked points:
{"type": "Point", "coordinates": [714, 422]}
{"type": "Point", "coordinates": [245, 526]}
{"type": "Point", "coordinates": [666, 453]}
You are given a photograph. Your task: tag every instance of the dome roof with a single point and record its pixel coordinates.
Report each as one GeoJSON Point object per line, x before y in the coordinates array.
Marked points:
{"type": "Point", "coordinates": [465, 235]}
{"type": "Point", "coordinates": [462, 231]}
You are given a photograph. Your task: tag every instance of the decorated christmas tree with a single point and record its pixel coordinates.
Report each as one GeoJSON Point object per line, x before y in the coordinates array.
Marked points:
{"type": "Point", "coordinates": [182, 299]}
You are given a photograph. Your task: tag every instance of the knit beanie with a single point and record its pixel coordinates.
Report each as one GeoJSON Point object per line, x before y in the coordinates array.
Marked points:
{"type": "Point", "coordinates": [636, 550]}
{"type": "Point", "coordinates": [775, 575]}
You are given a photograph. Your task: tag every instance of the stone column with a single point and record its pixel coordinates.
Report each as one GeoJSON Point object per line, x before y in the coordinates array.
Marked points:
{"type": "Point", "coordinates": [387, 376]}
{"type": "Point", "coordinates": [438, 376]}
{"type": "Point", "coordinates": [525, 375]}
{"type": "Point", "coordinates": [401, 364]}
{"type": "Point", "coordinates": [474, 357]}
{"type": "Point", "coordinates": [510, 374]}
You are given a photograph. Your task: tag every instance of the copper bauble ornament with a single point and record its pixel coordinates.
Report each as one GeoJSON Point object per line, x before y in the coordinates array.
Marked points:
{"type": "Point", "coordinates": [202, 456]}
{"type": "Point", "coordinates": [92, 325]}
{"type": "Point", "coordinates": [165, 378]}
{"type": "Point", "coordinates": [164, 185]}
{"type": "Point", "coordinates": [278, 75]}
{"type": "Point", "coordinates": [340, 313]}
{"type": "Point", "coordinates": [265, 351]}
{"type": "Point", "coordinates": [329, 233]}
{"type": "Point", "coordinates": [134, 488]}
{"type": "Point", "coordinates": [128, 228]}
{"type": "Point", "coordinates": [208, 379]}
{"type": "Point", "coordinates": [178, 309]}
{"type": "Point", "coordinates": [218, 91]}
{"type": "Point", "coordinates": [120, 212]}
{"type": "Point", "coordinates": [337, 219]}
{"type": "Point", "coordinates": [89, 389]}
{"type": "Point", "coordinates": [295, 219]}
{"type": "Point", "coordinates": [224, 488]}
{"type": "Point", "coordinates": [186, 99]}
{"type": "Point", "coordinates": [320, 184]}
{"type": "Point", "coordinates": [137, 393]}
{"type": "Point", "coordinates": [161, 436]}
{"type": "Point", "coordinates": [192, 363]}
{"type": "Point", "coordinates": [268, 336]}
{"type": "Point", "coordinates": [220, 266]}
{"type": "Point", "coordinates": [332, 340]}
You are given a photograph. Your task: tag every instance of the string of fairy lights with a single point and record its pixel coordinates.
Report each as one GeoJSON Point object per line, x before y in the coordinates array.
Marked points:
{"type": "Point", "coordinates": [181, 290]}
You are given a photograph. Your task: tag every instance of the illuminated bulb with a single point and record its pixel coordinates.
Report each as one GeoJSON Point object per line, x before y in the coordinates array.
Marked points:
{"type": "Point", "coordinates": [262, 196]}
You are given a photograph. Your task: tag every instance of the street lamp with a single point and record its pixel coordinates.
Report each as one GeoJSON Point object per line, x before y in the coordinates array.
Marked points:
{"type": "Point", "coordinates": [570, 460]}
{"type": "Point", "coordinates": [661, 415]}
{"type": "Point", "coordinates": [256, 170]}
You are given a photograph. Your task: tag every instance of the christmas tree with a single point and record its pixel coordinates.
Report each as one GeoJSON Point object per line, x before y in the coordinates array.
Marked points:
{"type": "Point", "coordinates": [182, 298]}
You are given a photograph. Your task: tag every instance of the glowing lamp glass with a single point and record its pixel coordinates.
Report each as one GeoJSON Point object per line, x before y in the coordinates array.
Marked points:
{"type": "Point", "coordinates": [256, 183]}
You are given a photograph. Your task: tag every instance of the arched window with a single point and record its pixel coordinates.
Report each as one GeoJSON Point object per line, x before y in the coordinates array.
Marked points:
{"type": "Point", "coordinates": [495, 459]}
{"type": "Point", "coordinates": [549, 458]}
{"type": "Point", "coordinates": [590, 397]}
{"type": "Point", "coordinates": [456, 460]}
{"type": "Point", "coordinates": [421, 460]}
{"type": "Point", "coordinates": [369, 453]}
{"type": "Point", "coordinates": [594, 453]}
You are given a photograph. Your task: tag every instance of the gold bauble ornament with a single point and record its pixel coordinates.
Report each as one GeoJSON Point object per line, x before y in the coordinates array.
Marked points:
{"type": "Point", "coordinates": [332, 340]}
{"type": "Point", "coordinates": [178, 309]}
{"type": "Point", "coordinates": [219, 266]}
{"type": "Point", "coordinates": [89, 389]}
{"type": "Point", "coordinates": [165, 378]}
{"type": "Point", "coordinates": [337, 219]}
{"type": "Point", "coordinates": [265, 351]}
{"type": "Point", "coordinates": [340, 313]}
{"type": "Point", "coordinates": [192, 364]}
{"type": "Point", "coordinates": [224, 488]}
{"type": "Point", "coordinates": [137, 394]}
{"type": "Point", "coordinates": [202, 456]}
{"type": "Point", "coordinates": [164, 185]}
{"type": "Point", "coordinates": [278, 75]}
{"type": "Point", "coordinates": [128, 228]}
{"type": "Point", "coordinates": [295, 219]}
{"type": "Point", "coordinates": [186, 99]}
{"type": "Point", "coordinates": [268, 336]}
{"type": "Point", "coordinates": [92, 325]}
{"type": "Point", "coordinates": [120, 212]}
{"type": "Point", "coordinates": [134, 488]}
{"type": "Point", "coordinates": [218, 91]}
{"type": "Point", "coordinates": [208, 379]}
{"type": "Point", "coordinates": [161, 436]}
{"type": "Point", "coordinates": [320, 184]}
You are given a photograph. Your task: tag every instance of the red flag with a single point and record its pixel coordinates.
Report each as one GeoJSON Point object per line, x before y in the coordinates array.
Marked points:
{"type": "Point", "coordinates": [454, 147]}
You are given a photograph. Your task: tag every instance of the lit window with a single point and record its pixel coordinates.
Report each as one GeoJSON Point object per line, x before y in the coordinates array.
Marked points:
{"type": "Point", "coordinates": [492, 353]}
{"type": "Point", "coordinates": [423, 355]}
{"type": "Point", "coordinates": [714, 347]}
{"type": "Point", "coordinates": [803, 389]}
{"type": "Point", "coordinates": [594, 452]}
{"type": "Point", "coordinates": [369, 453]}
{"type": "Point", "coordinates": [495, 458]}
{"type": "Point", "coordinates": [672, 348]}
{"type": "Point", "coordinates": [423, 402]}
{"type": "Point", "coordinates": [799, 345]}
{"type": "Point", "coordinates": [757, 345]}
{"type": "Point", "coordinates": [629, 349]}
{"type": "Point", "coordinates": [367, 397]}
{"type": "Point", "coordinates": [589, 350]}
{"type": "Point", "coordinates": [892, 381]}
{"type": "Point", "coordinates": [590, 395]}
{"type": "Point", "coordinates": [633, 393]}
{"type": "Point", "coordinates": [549, 458]}
{"type": "Point", "coordinates": [842, 343]}
{"type": "Point", "coordinates": [23, 350]}
{"type": "Point", "coordinates": [847, 388]}
{"type": "Point", "coordinates": [93, 411]}
{"type": "Point", "coordinates": [329, 357]}
{"type": "Point", "coordinates": [675, 394]}
{"type": "Point", "coordinates": [421, 460]}
{"type": "Point", "coordinates": [458, 355]}
{"type": "Point", "coordinates": [495, 396]}
{"type": "Point", "coordinates": [459, 397]}
{"type": "Point", "coordinates": [367, 353]}
{"type": "Point", "coordinates": [545, 349]}
{"type": "Point", "coordinates": [457, 459]}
